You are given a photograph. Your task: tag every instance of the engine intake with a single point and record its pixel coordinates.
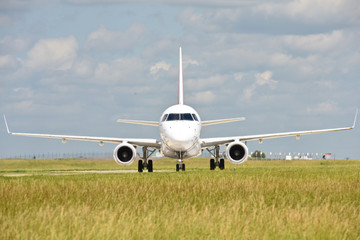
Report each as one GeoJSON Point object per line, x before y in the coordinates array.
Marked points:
{"type": "Point", "coordinates": [124, 154]}
{"type": "Point", "coordinates": [237, 152]}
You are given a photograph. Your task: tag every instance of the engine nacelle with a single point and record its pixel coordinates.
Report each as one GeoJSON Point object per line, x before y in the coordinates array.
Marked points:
{"type": "Point", "coordinates": [124, 154]}
{"type": "Point", "coordinates": [237, 152]}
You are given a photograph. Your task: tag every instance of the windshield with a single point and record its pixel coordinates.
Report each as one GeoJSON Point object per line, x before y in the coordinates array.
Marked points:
{"type": "Point", "coordinates": [164, 118]}
{"type": "Point", "coordinates": [180, 116]}
{"type": "Point", "coordinates": [173, 117]}
{"type": "Point", "coordinates": [186, 116]}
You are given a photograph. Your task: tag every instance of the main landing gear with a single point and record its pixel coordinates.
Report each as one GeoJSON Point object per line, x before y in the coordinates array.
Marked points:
{"type": "Point", "coordinates": [216, 162]}
{"type": "Point", "coordinates": [145, 163]}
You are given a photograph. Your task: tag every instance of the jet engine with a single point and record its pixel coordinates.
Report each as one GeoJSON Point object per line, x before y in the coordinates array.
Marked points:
{"type": "Point", "coordinates": [124, 154]}
{"type": "Point", "coordinates": [237, 152]}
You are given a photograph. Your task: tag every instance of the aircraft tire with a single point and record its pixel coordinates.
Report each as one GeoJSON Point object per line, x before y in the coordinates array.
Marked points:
{"type": "Point", "coordinates": [222, 164]}
{"type": "Point", "coordinates": [140, 166]}
{"type": "Point", "coordinates": [183, 167]}
{"type": "Point", "coordinates": [212, 164]}
{"type": "Point", "coordinates": [177, 167]}
{"type": "Point", "coordinates": [150, 166]}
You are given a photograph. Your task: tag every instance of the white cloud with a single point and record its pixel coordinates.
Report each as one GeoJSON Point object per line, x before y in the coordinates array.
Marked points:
{"type": "Point", "coordinates": [188, 61]}
{"type": "Point", "coordinates": [205, 97]}
{"type": "Point", "coordinates": [83, 68]}
{"type": "Point", "coordinates": [205, 83]}
{"type": "Point", "coordinates": [324, 107]}
{"type": "Point", "coordinates": [265, 78]}
{"type": "Point", "coordinates": [105, 40]}
{"type": "Point", "coordinates": [14, 4]}
{"type": "Point", "coordinates": [316, 42]}
{"type": "Point", "coordinates": [128, 71]}
{"type": "Point", "coordinates": [174, 2]}
{"type": "Point", "coordinates": [23, 93]}
{"type": "Point", "coordinates": [159, 66]}
{"type": "Point", "coordinates": [261, 79]}
{"type": "Point", "coordinates": [52, 54]}
{"type": "Point", "coordinates": [8, 62]}
{"type": "Point", "coordinates": [4, 20]}
{"type": "Point", "coordinates": [210, 19]}
{"type": "Point", "coordinates": [315, 11]}
{"type": "Point", "coordinates": [11, 44]}
{"type": "Point", "coordinates": [238, 76]}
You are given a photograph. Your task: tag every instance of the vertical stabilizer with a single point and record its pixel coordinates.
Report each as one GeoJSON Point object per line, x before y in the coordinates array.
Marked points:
{"type": "Point", "coordinates": [181, 80]}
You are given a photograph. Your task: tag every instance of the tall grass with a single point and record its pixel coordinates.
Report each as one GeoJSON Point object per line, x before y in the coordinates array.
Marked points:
{"type": "Point", "coordinates": [271, 200]}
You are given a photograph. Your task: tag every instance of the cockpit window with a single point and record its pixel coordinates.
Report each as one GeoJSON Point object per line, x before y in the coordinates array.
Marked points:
{"type": "Point", "coordinates": [164, 117]}
{"type": "Point", "coordinates": [173, 117]}
{"type": "Point", "coordinates": [186, 116]}
{"type": "Point", "coordinates": [180, 116]}
{"type": "Point", "coordinates": [195, 117]}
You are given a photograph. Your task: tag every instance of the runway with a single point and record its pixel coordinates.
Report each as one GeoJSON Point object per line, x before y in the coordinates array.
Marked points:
{"type": "Point", "coordinates": [74, 172]}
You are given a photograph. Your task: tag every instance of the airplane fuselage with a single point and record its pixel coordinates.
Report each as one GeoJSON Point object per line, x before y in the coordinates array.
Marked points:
{"type": "Point", "coordinates": [180, 128]}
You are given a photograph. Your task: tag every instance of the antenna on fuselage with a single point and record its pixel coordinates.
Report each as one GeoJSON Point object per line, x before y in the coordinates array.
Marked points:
{"type": "Point", "coordinates": [181, 80]}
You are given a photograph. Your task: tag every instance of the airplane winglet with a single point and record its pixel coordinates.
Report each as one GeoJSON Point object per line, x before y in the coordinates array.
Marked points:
{"type": "Point", "coordinates": [7, 127]}
{"type": "Point", "coordinates": [356, 114]}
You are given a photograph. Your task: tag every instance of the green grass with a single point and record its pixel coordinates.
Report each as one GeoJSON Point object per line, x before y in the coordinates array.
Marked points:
{"type": "Point", "coordinates": [260, 200]}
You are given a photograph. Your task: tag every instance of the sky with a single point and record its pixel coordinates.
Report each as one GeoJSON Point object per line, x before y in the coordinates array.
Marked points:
{"type": "Point", "coordinates": [75, 66]}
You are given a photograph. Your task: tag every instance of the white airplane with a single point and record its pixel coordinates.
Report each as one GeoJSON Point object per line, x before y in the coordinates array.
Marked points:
{"type": "Point", "coordinates": [180, 137]}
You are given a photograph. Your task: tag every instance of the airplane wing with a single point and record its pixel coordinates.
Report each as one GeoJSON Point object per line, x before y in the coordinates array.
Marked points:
{"type": "Point", "coordinates": [153, 143]}
{"type": "Point", "coordinates": [212, 122]}
{"type": "Point", "coordinates": [148, 123]}
{"type": "Point", "coordinates": [210, 142]}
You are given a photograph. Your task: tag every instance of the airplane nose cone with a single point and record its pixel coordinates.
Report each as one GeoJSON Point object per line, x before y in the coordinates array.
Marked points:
{"type": "Point", "coordinates": [182, 140]}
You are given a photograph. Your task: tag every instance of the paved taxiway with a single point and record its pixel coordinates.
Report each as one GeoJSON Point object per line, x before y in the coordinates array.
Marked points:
{"type": "Point", "coordinates": [53, 173]}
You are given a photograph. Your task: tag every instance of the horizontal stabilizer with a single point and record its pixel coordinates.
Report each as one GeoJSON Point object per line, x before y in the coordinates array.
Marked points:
{"type": "Point", "coordinates": [148, 123]}
{"type": "Point", "coordinates": [212, 122]}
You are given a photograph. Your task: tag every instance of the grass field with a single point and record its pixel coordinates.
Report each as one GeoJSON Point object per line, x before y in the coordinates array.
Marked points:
{"type": "Point", "coordinates": [260, 200]}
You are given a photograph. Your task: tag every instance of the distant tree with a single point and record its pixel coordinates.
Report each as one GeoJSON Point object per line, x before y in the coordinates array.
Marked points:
{"type": "Point", "coordinates": [258, 155]}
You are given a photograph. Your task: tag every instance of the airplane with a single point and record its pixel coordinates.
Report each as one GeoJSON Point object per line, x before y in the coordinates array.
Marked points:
{"type": "Point", "coordinates": [180, 137]}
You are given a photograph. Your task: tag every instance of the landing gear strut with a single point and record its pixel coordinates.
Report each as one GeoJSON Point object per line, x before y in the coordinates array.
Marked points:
{"type": "Point", "coordinates": [142, 164]}
{"type": "Point", "coordinates": [216, 162]}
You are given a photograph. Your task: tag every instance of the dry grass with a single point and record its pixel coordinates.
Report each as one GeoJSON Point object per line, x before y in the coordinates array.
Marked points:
{"type": "Point", "coordinates": [260, 200]}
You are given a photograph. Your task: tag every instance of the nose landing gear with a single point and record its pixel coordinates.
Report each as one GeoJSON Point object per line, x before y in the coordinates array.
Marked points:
{"type": "Point", "coordinates": [180, 165]}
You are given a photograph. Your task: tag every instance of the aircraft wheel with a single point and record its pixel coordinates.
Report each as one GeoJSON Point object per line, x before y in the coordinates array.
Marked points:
{"type": "Point", "coordinates": [222, 164]}
{"type": "Point", "coordinates": [150, 166]}
{"type": "Point", "coordinates": [177, 167]}
{"type": "Point", "coordinates": [140, 166]}
{"type": "Point", "coordinates": [183, 166]}
{"type": "Point", "coordinates": [212, 164]}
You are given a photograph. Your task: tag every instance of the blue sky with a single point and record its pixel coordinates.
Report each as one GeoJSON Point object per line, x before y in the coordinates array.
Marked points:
{"type": "Point", "coordinates": [74, 67]}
